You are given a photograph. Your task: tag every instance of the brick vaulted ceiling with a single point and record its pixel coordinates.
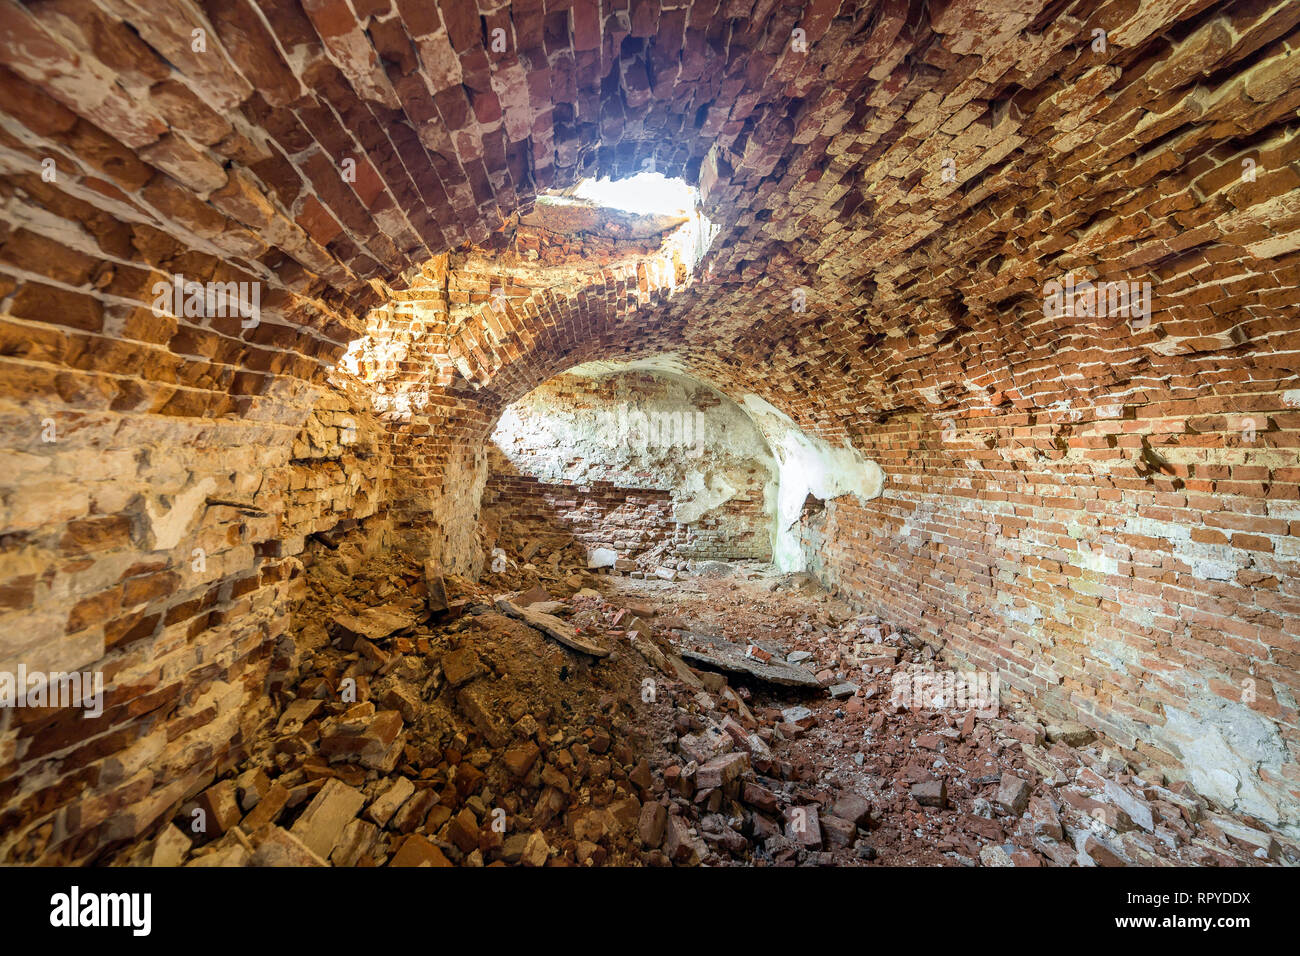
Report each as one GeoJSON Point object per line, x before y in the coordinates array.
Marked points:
{"type": "Point", "coordinates": [920, 168]}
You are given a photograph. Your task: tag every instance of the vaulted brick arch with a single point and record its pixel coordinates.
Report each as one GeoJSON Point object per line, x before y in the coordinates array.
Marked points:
{"type": "Point", "coordinates": [1072, 503]}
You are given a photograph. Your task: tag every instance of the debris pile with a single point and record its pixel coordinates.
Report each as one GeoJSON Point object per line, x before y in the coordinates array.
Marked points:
{"type": "Point", "coordinates": [733, 719]}
{"type": "Point", "coordinates": [948, 776]}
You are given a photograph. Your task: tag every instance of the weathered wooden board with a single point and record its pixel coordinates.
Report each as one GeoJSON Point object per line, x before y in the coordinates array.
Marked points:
{"type": "Point", "coordinates": [552, 627]}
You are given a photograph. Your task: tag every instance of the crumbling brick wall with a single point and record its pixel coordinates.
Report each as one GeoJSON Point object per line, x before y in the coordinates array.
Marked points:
{"type": "Point", "coordinates": [339, 470]}
{"type": "Point", "coordinates": [1131, 566]}
{"type": "Point", "coordinates": [189, 570]}
{"type": "Point", "coordinates": [634, 522]}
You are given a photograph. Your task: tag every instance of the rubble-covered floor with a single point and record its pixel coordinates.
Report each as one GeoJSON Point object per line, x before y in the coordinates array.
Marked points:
{"type": "Point", "coordinates": [415, 728]}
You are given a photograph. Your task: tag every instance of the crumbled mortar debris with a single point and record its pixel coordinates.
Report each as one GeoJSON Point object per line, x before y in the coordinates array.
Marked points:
{"type": "Point", "coordinates": [417, 725]}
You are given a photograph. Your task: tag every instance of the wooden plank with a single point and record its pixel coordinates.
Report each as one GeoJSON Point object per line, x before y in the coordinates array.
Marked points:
{"type": "Point", "coordinates": [552, 627]}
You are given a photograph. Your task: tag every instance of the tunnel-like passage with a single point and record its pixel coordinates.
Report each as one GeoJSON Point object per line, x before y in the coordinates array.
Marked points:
{"type": "Point", "coordinates": [989, 312]}
{"type": "Point", "coordinates": [666, 473]}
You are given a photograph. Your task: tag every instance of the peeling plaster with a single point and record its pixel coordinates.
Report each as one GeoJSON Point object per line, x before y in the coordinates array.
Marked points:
{"type": "Point", "coordinates": [807, 464]}
{"type": "Point", "coordinates": [699, 495]}
{"type": "Point", "coordinates": [1223, 746]}
{"type": "Point", "coordinates": [168, 523]}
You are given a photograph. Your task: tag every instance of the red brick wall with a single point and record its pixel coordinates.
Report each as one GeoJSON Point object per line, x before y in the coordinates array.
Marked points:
{"type": "Point", "coordinates": [975, 545]}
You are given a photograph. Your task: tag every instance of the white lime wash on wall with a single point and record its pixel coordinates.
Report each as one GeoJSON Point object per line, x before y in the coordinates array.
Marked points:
{"type": "Point", "coordinates": [807, 464]}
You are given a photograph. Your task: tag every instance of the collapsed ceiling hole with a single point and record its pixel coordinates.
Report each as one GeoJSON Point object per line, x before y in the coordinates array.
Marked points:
{"type": "Point", "coordinates": [645, 194]}
{"type": "Point", "coordinates": [642, 206]}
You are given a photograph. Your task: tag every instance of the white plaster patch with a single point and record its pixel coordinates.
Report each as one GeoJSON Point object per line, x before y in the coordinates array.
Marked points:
{"type": "Point", "coordinates": [1287, 510]}
{"type": "Point", "coordinates": [1223, 748]}
{"type": "Point", "coordinates": [807, 464]}
{"type": "Point", "coordinates": [1214, 570]}
{"type": "Point", "coordinates": [169, 522]}
{"type": "Point", "coordinates": [700, 494]}
{"type": "Point", "coordinates": [1093, 558]}
{"type": "Point", "coordinates": [1028, 615]}
{"type": "Point", "coordinates": [1141, 616]}
{"type": "Point", "coordinates": [1064, 407]}
{"type": "Point", "coordinates": [1152, 528]}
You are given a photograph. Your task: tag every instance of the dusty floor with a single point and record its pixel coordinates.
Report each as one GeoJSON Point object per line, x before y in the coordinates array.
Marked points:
{"type": "Point", "coordinates": [410, 728]}
{"type": "Point", "coordinates": [867, 746]}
